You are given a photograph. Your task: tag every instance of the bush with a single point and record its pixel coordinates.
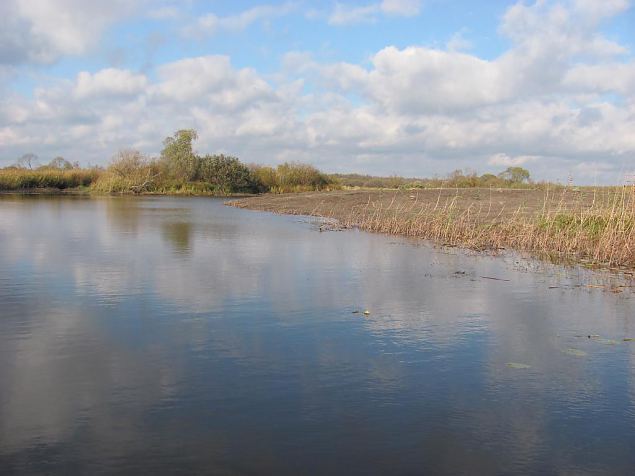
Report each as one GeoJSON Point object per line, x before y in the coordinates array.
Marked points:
{"type": "Point", "coordinates": [265, 176]}
{"type": "Point", "coordinates": [129, 171]}
{"type": "Point", "coordinates": [226, 174]}
{"type": "Point", "coordinates": [295, 177]}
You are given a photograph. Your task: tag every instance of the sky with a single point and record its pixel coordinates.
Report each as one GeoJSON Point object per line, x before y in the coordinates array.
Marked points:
{"type": "Point", "coordinates": [383, 87]}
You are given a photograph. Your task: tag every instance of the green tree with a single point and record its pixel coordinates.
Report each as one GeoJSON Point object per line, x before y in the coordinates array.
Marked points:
{"type": "Point", "coordinates": [178, 155]}
{"type": "Point", "coordinates": [515, 175]}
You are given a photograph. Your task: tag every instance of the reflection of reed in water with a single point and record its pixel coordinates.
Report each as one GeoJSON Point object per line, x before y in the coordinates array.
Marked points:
{"type": "Point", "coordinates": [596, 226]}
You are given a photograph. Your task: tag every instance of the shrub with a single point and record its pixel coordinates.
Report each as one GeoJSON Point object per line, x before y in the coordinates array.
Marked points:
{"type": "Point", "coordinates": [129, 171]}
{"type": "Point", "coordinates": [294, 177]}
{"type": "Point", "coordinates": [227, 174]}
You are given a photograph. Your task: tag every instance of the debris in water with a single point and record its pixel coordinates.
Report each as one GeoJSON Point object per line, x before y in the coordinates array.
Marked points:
{"type": "Point", "coordinates": [575, 352]}
{"type": "Point", "coordinates": [495, 279]}
{"type": "Point", "coordinates": [516, 365]}
{"type": "Point", "coordinates": [607, 341]}
{"type": "Point", "coordinates": [628, 339]}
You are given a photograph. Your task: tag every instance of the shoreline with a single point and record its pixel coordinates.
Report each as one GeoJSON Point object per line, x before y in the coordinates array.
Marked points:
{"type": "Point", "coordinates": [563, 226]}
{"type": "Point", "coordinates": [88, 192]}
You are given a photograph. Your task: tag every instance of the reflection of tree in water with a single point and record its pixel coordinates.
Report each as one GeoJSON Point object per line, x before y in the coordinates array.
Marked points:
{"type": "Point", "coordinates": [123, 214]}
{"type": "Point", "coordinates": [178, 235]}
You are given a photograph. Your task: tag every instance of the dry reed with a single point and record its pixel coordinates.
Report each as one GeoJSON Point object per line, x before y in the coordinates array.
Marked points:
{"type": "Point", "coordinates": [599, 231]}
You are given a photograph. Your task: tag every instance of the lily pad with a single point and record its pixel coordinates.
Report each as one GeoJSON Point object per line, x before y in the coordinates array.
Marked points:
{"type": "Point", "coordinates": [516, 365]}
{"type": "Point", "coordinates": [575, 352]}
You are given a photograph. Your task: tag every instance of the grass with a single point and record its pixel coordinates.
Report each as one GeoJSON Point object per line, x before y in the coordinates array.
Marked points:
{"type": "Point", "coordinates": [595, 226]}
{"type": "Point", "coordinates": [24, 179]}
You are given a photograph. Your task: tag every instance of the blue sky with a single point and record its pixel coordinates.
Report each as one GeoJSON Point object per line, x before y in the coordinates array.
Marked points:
{"type": "Point", "coordinates": [403, 87]}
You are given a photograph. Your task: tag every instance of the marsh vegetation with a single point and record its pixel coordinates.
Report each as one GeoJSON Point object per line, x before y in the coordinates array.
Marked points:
{"type": "Point", "coordinates": [590, 225]}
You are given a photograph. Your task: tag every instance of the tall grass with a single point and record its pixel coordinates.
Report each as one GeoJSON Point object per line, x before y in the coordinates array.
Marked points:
{"type": "Point", "coordinates": [14, 179]}
{"type": "Point", "coordinates": [602, 232]}
{"type": "Point", "coordinates": [597, 227]}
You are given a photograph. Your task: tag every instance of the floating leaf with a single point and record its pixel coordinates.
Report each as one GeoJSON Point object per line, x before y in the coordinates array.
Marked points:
{"type": "Point", "coordinates": [575, 352]}
{"type": "Point", "coordinates": [516, 365]}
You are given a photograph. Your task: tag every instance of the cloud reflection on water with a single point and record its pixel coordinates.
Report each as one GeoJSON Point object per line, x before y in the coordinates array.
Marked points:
{"type": "Point", "coordinates": [139, 317]}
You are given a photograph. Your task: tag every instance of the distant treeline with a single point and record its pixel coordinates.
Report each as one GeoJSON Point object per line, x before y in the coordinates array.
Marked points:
{"type": "Point", "coordinates": [511, 177]}
{"type": "Point", "coordinates": [179, 170]}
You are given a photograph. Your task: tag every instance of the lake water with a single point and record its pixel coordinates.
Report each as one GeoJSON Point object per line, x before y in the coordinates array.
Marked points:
{"type": "Point", "coordinates": [178, 335]}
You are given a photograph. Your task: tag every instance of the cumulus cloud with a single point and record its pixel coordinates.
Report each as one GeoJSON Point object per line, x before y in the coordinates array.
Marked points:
{"type": "Point", "coordinates": [560, 99]}
{"type": "Point", "coordinates": [109, 82]}
{"type": "Point", "coordinates": [41, 31]}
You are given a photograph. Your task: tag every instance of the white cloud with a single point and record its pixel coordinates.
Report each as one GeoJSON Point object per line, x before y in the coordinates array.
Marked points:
{"type": "Point", "coordinates": [422, 80]}
{"type": "Point", "coordinates": [560, 97]}
{"type": "Point", "coordinates": [401, 7]}
{"type": "Point", "coordinates": [211, 81]}
{"type": "Point", "coordinates": [505, 160]}
{"type": "Point", "coordinates": [606, 77]}
{"type": "Point", "coordinates": [344, 14]}
{"type": "Point", "coordinates": [458, 43]}
{"type": "Point", "coordinates": [109, 82]}
{"type": "Point", "coordinates": [211, 24]}
{"type": "Point", "coordinates": [40, 31]}
{"type": "Point", "coordinates": [347, 15]}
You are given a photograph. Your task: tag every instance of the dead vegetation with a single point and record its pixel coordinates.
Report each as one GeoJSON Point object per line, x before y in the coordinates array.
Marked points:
{"type": "Point", "coordinates": [591, 225]}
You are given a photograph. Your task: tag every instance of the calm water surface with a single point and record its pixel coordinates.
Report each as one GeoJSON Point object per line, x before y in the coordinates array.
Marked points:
{"type": "Point", "coordinates": [177, 335]}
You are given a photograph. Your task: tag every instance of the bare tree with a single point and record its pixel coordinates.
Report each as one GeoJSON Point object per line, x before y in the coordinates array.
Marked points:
{"type": "Point", "coordinates": [27, 161]}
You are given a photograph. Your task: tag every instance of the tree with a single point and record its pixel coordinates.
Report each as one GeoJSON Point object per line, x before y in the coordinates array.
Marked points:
{"type": "Point", "coordinates": [178, 156]}
{"type": "Point", "coordinates": [515, 175]}
{"type": "Point", "coordinates": [60, 163]}
{"type": "Point", "coordinates": [127, 163]}
{"type": "Point", "coordinates": [27, 161]}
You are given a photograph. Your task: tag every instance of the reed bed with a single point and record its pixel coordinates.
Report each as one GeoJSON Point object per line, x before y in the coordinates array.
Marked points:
{"type": "Point", "coordinates": [23, 179]}
{"type": "Point", "coordinates": [598, 228]}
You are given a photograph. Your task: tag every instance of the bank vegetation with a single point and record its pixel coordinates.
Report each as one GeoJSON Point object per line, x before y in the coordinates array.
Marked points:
{"type": "Point", "coordinates": [178, 170]}
{"type": "Point", "coordinates": [591, 225]}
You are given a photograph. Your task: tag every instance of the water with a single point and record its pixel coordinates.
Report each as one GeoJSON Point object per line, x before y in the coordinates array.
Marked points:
{"type": "Point", "coordinates": [178, 335]}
